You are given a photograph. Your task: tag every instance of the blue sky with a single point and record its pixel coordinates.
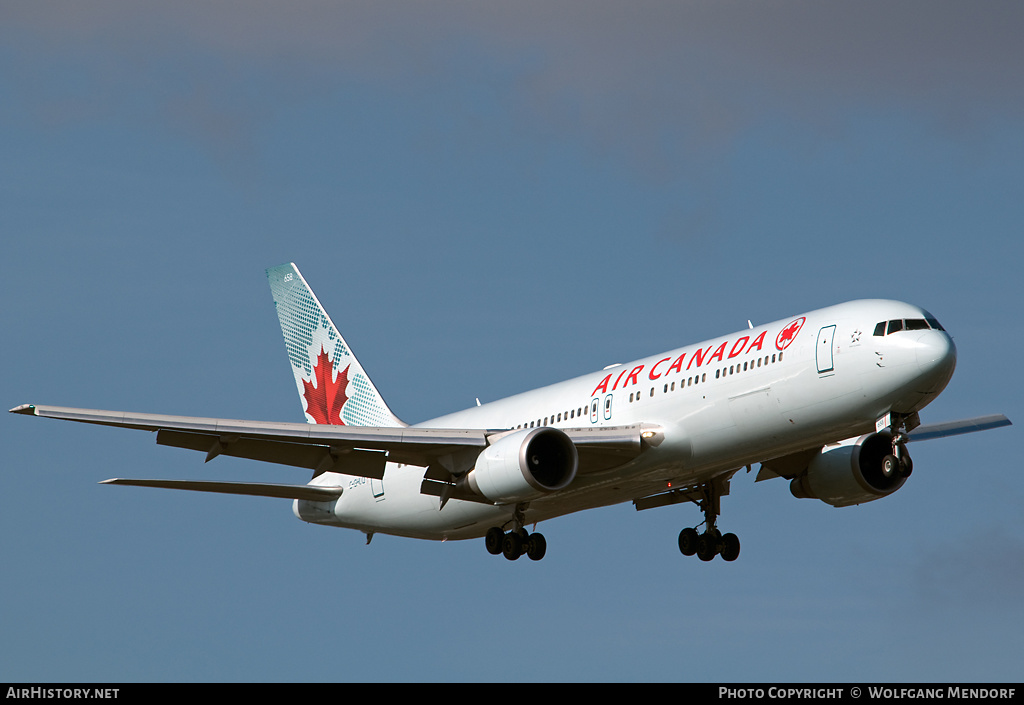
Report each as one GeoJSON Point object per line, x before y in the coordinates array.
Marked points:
{"type": "Point", "coordinates": [489, 198]}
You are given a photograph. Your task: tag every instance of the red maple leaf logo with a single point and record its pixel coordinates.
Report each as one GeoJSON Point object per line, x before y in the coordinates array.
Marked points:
{"type": "Point", "coordinates": [788, 334]}
{"type": "Point", "coordinates": [324, 401]}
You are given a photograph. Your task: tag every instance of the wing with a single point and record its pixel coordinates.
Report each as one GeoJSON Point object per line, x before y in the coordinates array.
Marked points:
{"type": "Point", "coordinates": [350, 450]}
{"type": "Point", "coordinates": [955, 428]}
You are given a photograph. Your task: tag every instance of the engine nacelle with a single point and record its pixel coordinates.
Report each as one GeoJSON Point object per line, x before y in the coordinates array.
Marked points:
{"type": "Point", "coordinates": [524, 465]}
{"type": "Point", "coordinates": [853, 473]}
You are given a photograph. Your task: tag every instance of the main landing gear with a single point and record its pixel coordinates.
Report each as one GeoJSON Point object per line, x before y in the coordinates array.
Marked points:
{"type": "Point", "coordinates": [712, 542]}
{"type": "Point", "coordinates": [518, 542]}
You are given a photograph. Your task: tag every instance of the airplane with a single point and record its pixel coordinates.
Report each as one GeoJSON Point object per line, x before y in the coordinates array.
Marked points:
{"type": "Point", "coordinates": [827, 400]}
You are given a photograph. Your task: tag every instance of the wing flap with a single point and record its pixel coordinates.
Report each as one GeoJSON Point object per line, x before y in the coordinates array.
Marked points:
{"type": "Point", "coordinates": [361, 463]}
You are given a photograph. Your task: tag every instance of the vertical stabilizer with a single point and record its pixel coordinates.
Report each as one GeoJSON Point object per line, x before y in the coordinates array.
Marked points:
{"type": "Point", "coordinates": [332, 385]}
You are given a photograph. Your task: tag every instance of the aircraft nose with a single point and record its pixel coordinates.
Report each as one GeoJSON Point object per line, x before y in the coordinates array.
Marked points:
{"type": "Point", "coordinates": [936, 357]}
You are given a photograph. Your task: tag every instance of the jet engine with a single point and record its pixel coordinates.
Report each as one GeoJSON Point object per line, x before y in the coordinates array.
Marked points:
{"type": "Point", "coordinates": [524, 465]}
{"type": "Point", "coordinates": [857, 471]}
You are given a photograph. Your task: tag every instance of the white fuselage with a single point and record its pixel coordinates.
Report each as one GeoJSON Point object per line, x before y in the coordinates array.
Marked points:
{"type": "Point", "coordinates": [761, 393]}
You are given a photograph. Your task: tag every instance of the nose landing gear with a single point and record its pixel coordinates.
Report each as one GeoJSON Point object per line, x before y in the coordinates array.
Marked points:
{"type": "Point", "coordinates": [898, 463]}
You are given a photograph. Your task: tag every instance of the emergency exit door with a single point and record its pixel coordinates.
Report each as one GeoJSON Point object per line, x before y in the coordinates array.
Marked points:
{"type": "Point", "coordinates": [823, 351]}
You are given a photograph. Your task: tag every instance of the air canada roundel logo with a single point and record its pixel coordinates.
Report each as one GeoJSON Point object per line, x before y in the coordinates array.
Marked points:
{"type": "Point", "coordinates": [788, 334]}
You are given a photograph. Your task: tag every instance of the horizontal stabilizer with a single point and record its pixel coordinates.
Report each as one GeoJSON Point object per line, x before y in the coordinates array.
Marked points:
{"type": "Point", "coordinates": [955, 428]}
{"type": "Point", "coordinates": [310, 493]}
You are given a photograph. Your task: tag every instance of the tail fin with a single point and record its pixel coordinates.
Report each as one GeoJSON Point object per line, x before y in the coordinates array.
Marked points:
{"type": "Point", "coordinates": [332, 385]}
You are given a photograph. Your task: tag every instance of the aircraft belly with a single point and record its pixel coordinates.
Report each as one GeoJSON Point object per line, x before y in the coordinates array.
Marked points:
{"type": "Point", "coordinates": [396, 506]}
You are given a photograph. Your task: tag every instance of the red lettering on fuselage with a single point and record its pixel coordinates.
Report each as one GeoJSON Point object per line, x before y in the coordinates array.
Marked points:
{"type": "Point", "coordinates": [616, 386]}
{"type": "Point", "coordinates": [757, 341]}
{"type": "Point", "coordinates": [678, 364]}
{"type": "Point", "coordinates": [651, 374]}
{"type": "Point", "coordinates": [699, 357]}
{"type": "Point", "coordinates": [737, 347]}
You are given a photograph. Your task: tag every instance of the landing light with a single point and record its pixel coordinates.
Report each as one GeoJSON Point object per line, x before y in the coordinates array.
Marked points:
{"type": "Point", "coordinates": [648, 434]}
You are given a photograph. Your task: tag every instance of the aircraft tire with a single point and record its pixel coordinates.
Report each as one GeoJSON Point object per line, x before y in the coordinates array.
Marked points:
{"type": "Point", "coordinates": [536, 546]}
{"type": "Point", "coordinates": [512, 546]}
{"type": "Point", "coordinates": [494, 539]}
{"type": "Point", "coordinates": [707, 546]}
{"type": "Point", "coordinates": [730, 547]}
{"type": "Point", "coordinates": [688, 541]}
{"type": "Point", "coordinates": [890, 466]}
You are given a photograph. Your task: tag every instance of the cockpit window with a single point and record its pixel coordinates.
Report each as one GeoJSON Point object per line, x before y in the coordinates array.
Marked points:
{"type": "Point", "coordinates": [896, 325]}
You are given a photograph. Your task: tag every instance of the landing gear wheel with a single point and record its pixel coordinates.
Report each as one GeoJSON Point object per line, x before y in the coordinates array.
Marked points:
{"type": "Point", "coordinates": [707, 546]}
{"type": "Point", "coordinates": [890, 466]}
{"type": "Point", "coordinates": [512, 545]}
{"type": "Point", "coordinates": [729, 547]}
{"type": "Point", "coordinates": [494, 539]}
{"type": "Point", "coordinates": [688, 541]}
{"type": "Point", "coordinates": [536, 547]}
{"type": "Point", "coordinates": [906, 465]}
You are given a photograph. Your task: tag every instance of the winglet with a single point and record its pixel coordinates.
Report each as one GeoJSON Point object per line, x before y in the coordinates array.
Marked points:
{"type": "Point", "coordinates": [332, 385]}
